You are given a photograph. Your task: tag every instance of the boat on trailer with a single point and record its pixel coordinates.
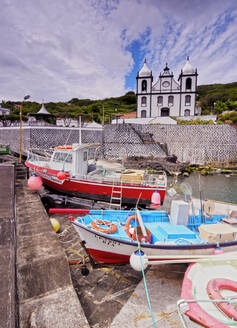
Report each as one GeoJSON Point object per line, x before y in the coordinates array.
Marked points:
{"type": "Point", "coordinates": [112, 236]}
{"type": "Point", "coordinates": [99, 180]}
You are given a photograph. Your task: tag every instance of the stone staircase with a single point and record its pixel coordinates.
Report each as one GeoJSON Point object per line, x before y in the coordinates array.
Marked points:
{"type": "Point", "coordinates": [127, 140]}
{"type": "Point", "coordinates": [21, 171]}
{"type": "Point", "coordinates": [146, 137]}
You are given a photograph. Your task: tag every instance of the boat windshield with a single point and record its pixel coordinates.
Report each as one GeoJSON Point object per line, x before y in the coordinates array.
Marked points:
{"type": "Point", "coordinates": [62, 157]}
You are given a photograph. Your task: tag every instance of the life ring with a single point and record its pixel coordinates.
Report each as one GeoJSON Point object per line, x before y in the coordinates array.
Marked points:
{"type": "Point", "coordinates": [63, 147]}
{"type": "Point", "coordinates": [128, 221]}
{"type": "Point", "coordinates": [137, 233]}
{"type": "Point", "coordinates": [95, 224]}
{"type": "Point", "coordinates": [214, 287]}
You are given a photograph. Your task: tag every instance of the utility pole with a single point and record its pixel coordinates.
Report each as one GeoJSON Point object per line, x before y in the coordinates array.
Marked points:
{"type": "Point", "coordinates": [21, 108]}
{"type": "Point", "coordinates": [80, 130]}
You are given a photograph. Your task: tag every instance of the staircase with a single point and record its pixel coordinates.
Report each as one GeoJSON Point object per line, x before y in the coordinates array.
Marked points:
{"type": "Point", "coordinates": [145, 137]}
{"type": "Point", "coordinates": [21, 171]}
{"type": "Point", "coordinates": [116, 197]}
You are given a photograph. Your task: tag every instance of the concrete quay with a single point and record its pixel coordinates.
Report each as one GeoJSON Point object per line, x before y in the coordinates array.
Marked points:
{"type": "Point", "coordinates": [36, 287]}
{"type": "Point", "coordinates": [46, 294]}
{"type": "Point", "coordinates": [8, 301]}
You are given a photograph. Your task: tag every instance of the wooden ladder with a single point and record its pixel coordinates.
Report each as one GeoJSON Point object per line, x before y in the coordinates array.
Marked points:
{"type": "Point", "coordinates": [116, 196]}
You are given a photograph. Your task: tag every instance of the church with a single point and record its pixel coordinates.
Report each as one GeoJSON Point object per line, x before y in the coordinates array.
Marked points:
{"type": "Point", "coordinates": [166, 97]}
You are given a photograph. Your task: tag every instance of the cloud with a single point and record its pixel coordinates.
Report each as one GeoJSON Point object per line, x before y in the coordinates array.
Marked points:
{"type": "Point", "coordinates": [58, 50]}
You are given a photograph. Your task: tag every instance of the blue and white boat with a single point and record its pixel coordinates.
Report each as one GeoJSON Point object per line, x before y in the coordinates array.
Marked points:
{"type": "Point", "coordinates": [111, 236]}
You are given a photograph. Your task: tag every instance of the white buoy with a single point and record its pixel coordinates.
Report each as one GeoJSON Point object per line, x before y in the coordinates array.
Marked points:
{"type": "Point", "coordinates": [137, 260]}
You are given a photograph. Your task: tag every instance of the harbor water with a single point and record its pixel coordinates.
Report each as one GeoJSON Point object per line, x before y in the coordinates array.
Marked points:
{"type": "Point", "coordinates": [219, 187]}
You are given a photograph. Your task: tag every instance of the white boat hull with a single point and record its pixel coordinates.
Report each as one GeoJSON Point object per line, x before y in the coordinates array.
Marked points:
{"type": "Point", "coordinates": [107, 249]}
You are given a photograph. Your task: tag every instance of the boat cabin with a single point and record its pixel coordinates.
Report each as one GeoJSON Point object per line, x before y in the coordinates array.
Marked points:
{"type": "Point", "coordinates": [73, 159]}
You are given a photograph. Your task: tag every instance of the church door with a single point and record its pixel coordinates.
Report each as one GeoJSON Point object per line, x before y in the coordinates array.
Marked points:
{"type": "Point", "coordinates": [165, 112]}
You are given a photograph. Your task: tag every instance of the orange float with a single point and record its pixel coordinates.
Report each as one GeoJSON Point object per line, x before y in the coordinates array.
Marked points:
{"type": "Point", "coordinates": [95, 224]}
{"type": "Point", "coordinates": [214, 288]}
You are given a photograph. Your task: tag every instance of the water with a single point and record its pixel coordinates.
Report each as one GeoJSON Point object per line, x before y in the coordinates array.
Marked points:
{"type": "Point", "coordinates": [218, 187]}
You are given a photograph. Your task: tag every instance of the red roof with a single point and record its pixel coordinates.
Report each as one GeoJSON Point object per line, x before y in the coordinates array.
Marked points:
{"type": "Point", "coordinates": [127, 115]}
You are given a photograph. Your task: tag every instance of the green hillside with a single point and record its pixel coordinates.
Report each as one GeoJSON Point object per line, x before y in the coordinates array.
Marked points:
{"type": "Point", "coordinates": [215, 98]}
{"type": "Point", "coordinates": [211, 93]}
{"type": "Point", "coordinates": [86, 108]}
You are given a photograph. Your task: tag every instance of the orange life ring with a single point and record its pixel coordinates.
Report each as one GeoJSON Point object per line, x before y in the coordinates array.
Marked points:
{"type": "Point", "coordinates": [63, 147]}
{"type": "Point", "coordinates": [128, 221]}
{"type": "Point", "coordinates": [214, 287]}
{"type": "Point", "coordinates": [95, 224]}
{"type": "Point", "coordinates": [137, 231]}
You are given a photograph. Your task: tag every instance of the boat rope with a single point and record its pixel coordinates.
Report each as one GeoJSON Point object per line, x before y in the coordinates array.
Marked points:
{"type": "Point", "coordinates": [68, 138]}
{"type": "Point", "coordinates": [144, 278]}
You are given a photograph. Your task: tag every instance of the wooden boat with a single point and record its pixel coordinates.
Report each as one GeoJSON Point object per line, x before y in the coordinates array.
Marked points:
{"type": "Point", "coordinates": [161, 237]}
{"type": "Point", "coordinates": [209, 293]}
{"type": "Point", "coordinates": [98, 180]}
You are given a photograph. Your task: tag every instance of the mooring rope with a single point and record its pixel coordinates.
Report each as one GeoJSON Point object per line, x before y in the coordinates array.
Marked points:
{"type": "Point", "coordinates": [144, 278]}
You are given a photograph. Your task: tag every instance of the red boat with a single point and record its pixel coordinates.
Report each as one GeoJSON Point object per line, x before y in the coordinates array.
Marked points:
{"type": "Point", "coordinates": [98, 180]}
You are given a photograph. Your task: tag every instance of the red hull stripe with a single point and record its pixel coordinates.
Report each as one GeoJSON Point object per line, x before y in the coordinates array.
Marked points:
{"type": "Point", "coordinates": [108, 257]}
{"type": "Point", "coordinates": [68, 211]}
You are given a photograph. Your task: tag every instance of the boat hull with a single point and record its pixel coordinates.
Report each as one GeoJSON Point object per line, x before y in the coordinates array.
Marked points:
{"type": "Point", "coordinates": [96, 190]}
{"type": "Point", "coordinates": [195, 283]}
{"type": "Point", "coordinates": [106, 249]}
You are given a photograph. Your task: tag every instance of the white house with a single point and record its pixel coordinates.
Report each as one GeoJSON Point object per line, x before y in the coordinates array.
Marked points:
{"type": "Point", "coordinates": [166, 97]}
{"type": "Point", "coordinates": [4, 111]}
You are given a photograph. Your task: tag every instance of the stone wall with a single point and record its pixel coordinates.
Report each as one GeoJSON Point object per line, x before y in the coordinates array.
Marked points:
{"type": "Point", "coordinates": [123, 140]}
{"type": "Point", "coordinates": [46, 137]}
{"type": "Point", "coordinates": [197, 144]}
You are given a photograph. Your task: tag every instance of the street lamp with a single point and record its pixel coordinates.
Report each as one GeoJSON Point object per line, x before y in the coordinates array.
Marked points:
{"type": "Point", "coordinates": [21, 107]}
{"type": "Point", "coordinates": [214, 105]}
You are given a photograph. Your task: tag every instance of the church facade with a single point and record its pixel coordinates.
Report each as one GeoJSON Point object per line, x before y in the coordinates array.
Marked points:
{"type": "Point", "coordinates": [166, 97]}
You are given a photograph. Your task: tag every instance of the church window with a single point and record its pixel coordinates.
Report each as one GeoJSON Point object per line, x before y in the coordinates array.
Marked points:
{"type": "Point", "coordinates": [143, 113]}
{"type": "Point", "coordinates": [187, 100]}
{"type": "Point", "coordinates": [144, 85]}
{"type": "Point", "coordinates": [160, 100]}
{"type": "Point", "coordinates": [188, 83]}
{"type": "Point", "coordinates": [143, 101]}
{"type": "Point", "coordinates": [171, 100]}
{"type": "Point", "coordinates": [187, 112]}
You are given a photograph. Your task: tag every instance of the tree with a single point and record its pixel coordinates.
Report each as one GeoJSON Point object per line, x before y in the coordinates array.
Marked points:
{"type": "Point", "coordinates": [9, 120]}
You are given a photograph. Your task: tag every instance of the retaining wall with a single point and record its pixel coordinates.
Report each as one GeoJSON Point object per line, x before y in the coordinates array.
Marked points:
{"type": "Point", "coordinates": [197, 144]}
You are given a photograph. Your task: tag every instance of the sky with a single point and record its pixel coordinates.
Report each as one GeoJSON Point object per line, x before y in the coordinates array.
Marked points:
{"type": "Point", "coordinates": [56, 50]}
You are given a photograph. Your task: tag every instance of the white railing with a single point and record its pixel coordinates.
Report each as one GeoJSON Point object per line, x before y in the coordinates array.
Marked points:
{"type": "Point", "coordinates": [44, 160]}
